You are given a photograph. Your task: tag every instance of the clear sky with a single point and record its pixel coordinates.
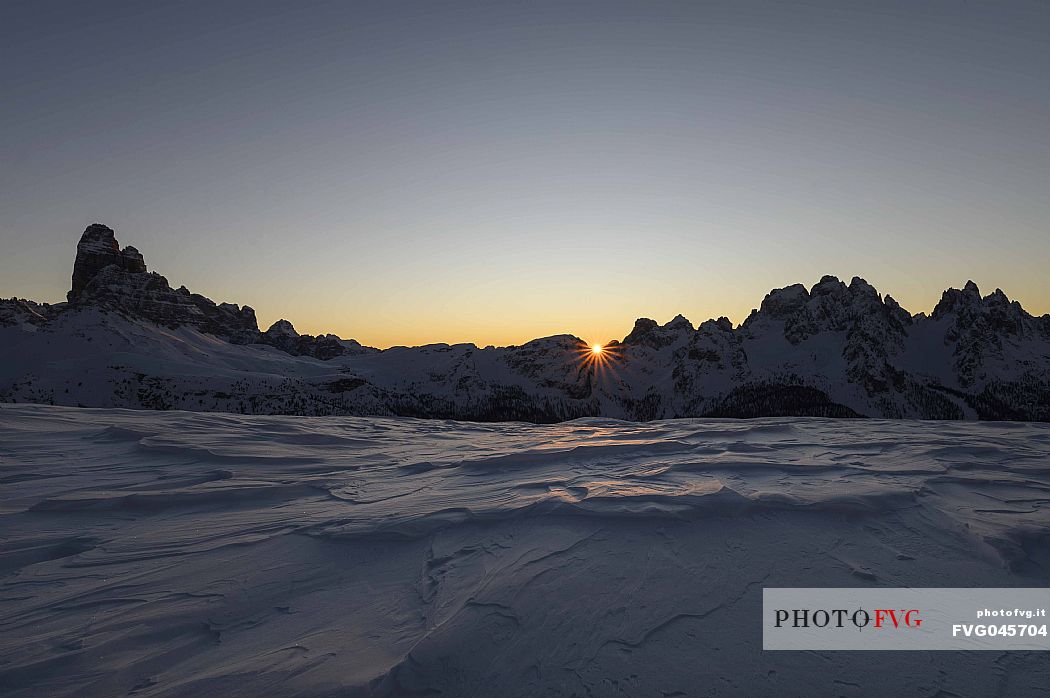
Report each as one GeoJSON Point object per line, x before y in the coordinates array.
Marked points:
{"type": "Point", "coordinates": [406, 173]}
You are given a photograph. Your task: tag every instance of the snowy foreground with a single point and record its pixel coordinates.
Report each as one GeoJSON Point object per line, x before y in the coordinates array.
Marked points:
{"type": "Point", "coordinates": [176, 553]}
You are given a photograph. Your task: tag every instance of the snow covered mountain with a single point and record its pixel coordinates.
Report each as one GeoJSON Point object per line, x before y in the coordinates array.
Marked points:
{"type": "Point", "coordinates": [126, 338]}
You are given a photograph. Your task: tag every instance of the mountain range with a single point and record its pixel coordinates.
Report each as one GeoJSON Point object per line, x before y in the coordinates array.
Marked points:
{"type": "Point", "coordinates": [126, 338]}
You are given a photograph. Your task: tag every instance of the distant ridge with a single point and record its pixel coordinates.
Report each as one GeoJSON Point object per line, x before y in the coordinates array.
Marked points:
{"type": "Point", "coordinates": [126, 338]}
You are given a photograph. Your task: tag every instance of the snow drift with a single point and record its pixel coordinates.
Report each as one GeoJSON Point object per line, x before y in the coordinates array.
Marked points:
{"type": "Point", "coordinates": [176, 553]}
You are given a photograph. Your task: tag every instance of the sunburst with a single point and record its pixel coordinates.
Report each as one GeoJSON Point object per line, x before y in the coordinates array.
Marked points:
{"type": "Point", "coordinates": [598, 355]}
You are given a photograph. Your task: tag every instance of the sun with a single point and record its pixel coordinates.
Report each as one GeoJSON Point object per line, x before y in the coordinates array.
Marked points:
{"type": "Point", "coordinates": [598, 356]}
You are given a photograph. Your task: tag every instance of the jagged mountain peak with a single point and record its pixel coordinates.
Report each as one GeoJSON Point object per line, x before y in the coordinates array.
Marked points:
{"type": "Point", "coordinates": [997, 296]}
{"type": "Point", "coordinates": [860, 286]}
{"type": "Point", "coordinates": [679, 322]}
{"type": "Point", "coordinates": [98, 249]}
{"type": "Point", "coordinates": [641, 325]}
{"type": "Point", "coordinates": [829, 306]}
{"type": "Point", "coordinates": [283, 335]}
{"type": "Point", "coordinates": [780, 302]}
{"type": "Point", "coordinates": [108, 277]}
{"type": "Point", "coordinates": [833, 286]}
{"type": "Point", "coordinates": [828, 284]}
{"type": "Point", "coordinates": [969, 299]}
{"type": "Point", "coordinates": [722, 324]}
{"type": "Point", "coordinates": [101, 235]}
{"type": "Point", "coordinates": [648, 332]}
{"type": "Point", "coordinates": [23, 312]}
{"type": "Point", "coordinates": [282, 328]}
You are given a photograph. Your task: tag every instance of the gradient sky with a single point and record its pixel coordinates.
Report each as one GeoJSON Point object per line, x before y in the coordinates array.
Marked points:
{"type": "Point", "coordinates": [406, 173]}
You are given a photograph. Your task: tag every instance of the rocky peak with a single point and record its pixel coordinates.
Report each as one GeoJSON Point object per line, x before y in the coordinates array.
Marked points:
{"type": "Point", "coordinates": [854, 308]}
{"type": "Point", "coordinates": [722, 324]}
{"type": "Point", "coordinates": [953, 300]}
{"type": "Point", "coordinates": [871, 329]}
{"type": "Point", "coordinates": [649, 333]}
{"type": "Point", "coordinates": [896, 311]}
{"type": "Point", "coordinates": [982, 329]}
{"type": "Point", "coordinates": [282, 328]}
{"type": "Point", "coordinates": [642, 327]}
{"type": "Point", "coordinates": [859, 286]}
{"type": "Point", "coordinates": [994, 312]}
{"type": "Point", "coordinates": [282, 334]}
{"type": "Point", "coordinates": [23, 312]}
{"type": "Point", "coordinates": [679, 322]}
{"type": "Point", "coordinates": [828, 285]}
{"type": "Point", "coordinates": [106, 276]}
{"type": "Point", "coordinates": [782, 302]}
{"type": "Point", "coordinates": [98, 249]}
{"type": "Point", "coordinates": [997, 297]}
{"type": "Point", "coordinates": [132, 260]}
{"type": "Point", "coordinates": [98, 238]}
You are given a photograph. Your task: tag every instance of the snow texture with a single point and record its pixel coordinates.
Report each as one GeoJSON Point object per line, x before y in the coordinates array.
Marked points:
{"type": "Point", "coordinates": [178, 553]}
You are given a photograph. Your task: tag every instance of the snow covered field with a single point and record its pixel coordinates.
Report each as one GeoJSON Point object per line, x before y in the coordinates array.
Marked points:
{"type": "Point", "coordinates": [177, 553]}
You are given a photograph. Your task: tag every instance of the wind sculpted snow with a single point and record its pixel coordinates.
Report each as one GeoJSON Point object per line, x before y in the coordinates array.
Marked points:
{"type": "Point", "coordinates": [175, 553]}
